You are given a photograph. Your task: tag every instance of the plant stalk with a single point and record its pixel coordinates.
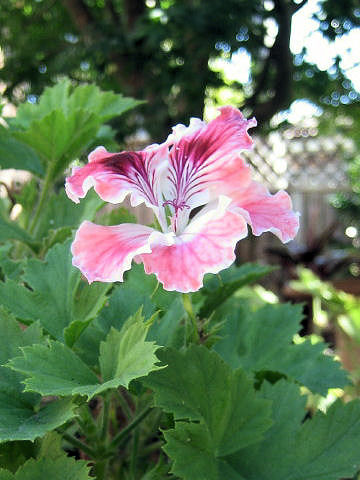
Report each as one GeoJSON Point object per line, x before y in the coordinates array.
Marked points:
{"type": "Point", "coordinates": [105, 418]}
{"type": "Point", "coordinates": [124, 406]}
{"type": "Point", "coordinates": [100, 469]}
{"type": "Point", "coordinates": [80, 445]}
{"type": "Point", "coordinates": [42, 200]}
{"type": "Point", "coordinates": [134, 453]}
{"type": "Point", "coordinates": [121, 436]}
{"type": "Point", "coordinates": [191, 315]}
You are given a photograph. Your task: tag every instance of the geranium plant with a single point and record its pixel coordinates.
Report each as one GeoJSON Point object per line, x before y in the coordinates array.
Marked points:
{"type": "Point", "coordinates": [126, 350]}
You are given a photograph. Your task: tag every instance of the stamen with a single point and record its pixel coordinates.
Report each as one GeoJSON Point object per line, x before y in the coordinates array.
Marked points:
{"type": "Point", "coordinates": [177, 206]}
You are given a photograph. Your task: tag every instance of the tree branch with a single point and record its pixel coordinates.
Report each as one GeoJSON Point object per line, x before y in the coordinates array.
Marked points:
{"type": "Point", "coordinates": [79, 14]}
{"type": "Point", "coordinates": [296, 6]}
{"type": "Point", "coordinates": [134, 10]}
{"type": "Point", "coordinates": [109, 4]}
{"type": "Point", "coordinates": [277, 69]}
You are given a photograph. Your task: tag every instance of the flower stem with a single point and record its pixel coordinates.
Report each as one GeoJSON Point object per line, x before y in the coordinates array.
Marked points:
{"type": "Point", "coordinates": [86, 422]}
{"type": "Point", "coordinates": [145, 451]}
{"type": "Point", "coordinates": [124, 406]}
{"type": "Point", "coordinates": [134, 452]}
{"type": "Point", "coordinates": [100, 469]}
{"type": "Point", "coordinates": [191, 315]}
{"type": "Point", "coordinates": [105, 417]}
{"type": "Point", "coordinates": [80, 445]}
{"type": "Point", "coordinates": [42, 200]}
{"type": "Point", "coordinates": [121, 436]}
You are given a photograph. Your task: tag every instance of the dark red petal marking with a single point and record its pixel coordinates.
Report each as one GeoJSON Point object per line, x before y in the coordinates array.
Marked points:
{"type": "Point", "coordinates": [209, 158]}
{"type": "Point", "coordinates": [114, 175]}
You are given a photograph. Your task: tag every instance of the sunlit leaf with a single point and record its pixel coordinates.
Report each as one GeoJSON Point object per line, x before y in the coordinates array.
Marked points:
{"type": "Point", "coordinates": [263, 340]}
{"type": "Point", "coordinates": [65, 122]}
{"type": "Point", "coordinates": [55, 369]}
{"type": "Point", "coordinates": [58, 138]}
{"type": "Point", "coordinates": [324, 447]}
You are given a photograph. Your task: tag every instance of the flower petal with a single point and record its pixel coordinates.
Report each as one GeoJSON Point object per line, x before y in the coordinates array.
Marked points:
{"type": "Point", "coordinates": [266, 212]}
{"type": "Point", "coordinates": [204, 159]}
{"type": "Point", "coordinates": [206, 246]}
{"type": "Point", "coordinates": [115, 175]}
{"type": "Point", "coordinates": [104, 253]}
{"type": "Point", "coordinates": [181, 130]}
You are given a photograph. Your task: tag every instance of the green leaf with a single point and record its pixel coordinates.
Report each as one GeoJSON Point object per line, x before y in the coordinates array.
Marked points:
{"type": "Point", "coordinates": [21, 422]}
{"type": "Point", "coordinates": [15, 154]}
{"type": "Point", "coordinates": [20, 416]}
{"type": "Point", "coordinates": [126, 355]}
{"type": "Point", "coordinates": [51, 446]}
{"type": "Point", "coordinates": [148, 286]}
{"type": "Point", "coordinates": [61, 96]}
{"type": "Point", "coordinates": [12, 338]}
{"type": "Point", "coordinates": [60, 212]}
{"type": "Point", "coordinates": [138, 291]}
{"type": "Point", "coordinates": [14, 454]}
{"type": "Point", "coordinates": [58, 138]}
{"type": "Point", "coordinates": [53, 98]}
{"type": "Point", "coordinates": [60, 235]}
{"type": "Point", "coordinates": [65, 122]}
{"type": "Point", "coordinates": [117, 216]}
{"type": "Point", "coordinates": [105, 105]}
{"type": "Point", "coordinates": [198, 385]}
{"type": "Point", "coordinates": [74, 331]}
{"type": "Point", "coordinates": [54, 293]}
{"type": "Point", "coordinates": [123, 302]}
{"type": "Point", "coordinates": [53, 284]}
{"type": "Point", "coordinates": [169, 330]}
{"type": "Point", "coordinates": [190, 446]}
{"type": "Point", "coordinates": [218, 288]}
{"type": "Point", "coordinates": [55, 369]}
{"type": "Point", "coordinates": [6, 475]}
{"type": "Point", "coordinates": [47, 468]}
{"type": "Point", "coordinates": [263, 340]}
{"type": "Point", "coordinates": [325, 447]}
{"type": "Point", "coordinates": [9, 230]}
{"type": "Point", "coordinates": [105, 136]}
{"type": "Point", "coordinates": [27, 198]}
{"type": "Point", "coordinates": [10, 268]}
{"type": "Point", "coordinates": [89, 301]}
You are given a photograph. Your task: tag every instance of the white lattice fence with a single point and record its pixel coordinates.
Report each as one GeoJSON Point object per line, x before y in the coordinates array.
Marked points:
{"type": "Point", "coordinates": [300, 164]}
{"type": "Point", "coordinates": [311, 169]}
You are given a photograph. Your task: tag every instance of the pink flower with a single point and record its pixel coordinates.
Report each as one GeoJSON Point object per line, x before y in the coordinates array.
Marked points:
{"type": "Point", "coordinates": [197, 167]}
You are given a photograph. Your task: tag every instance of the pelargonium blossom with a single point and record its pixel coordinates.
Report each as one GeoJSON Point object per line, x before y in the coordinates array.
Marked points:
{"type": "Point", "coordinates": [197, 167]}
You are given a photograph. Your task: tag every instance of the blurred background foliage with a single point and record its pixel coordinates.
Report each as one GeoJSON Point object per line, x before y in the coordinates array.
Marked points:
{"type": "Point", "coordinates": [183, 58]}
{"type": "Point", "coordinates": [175, 54]}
